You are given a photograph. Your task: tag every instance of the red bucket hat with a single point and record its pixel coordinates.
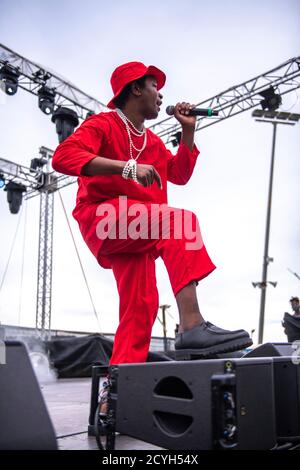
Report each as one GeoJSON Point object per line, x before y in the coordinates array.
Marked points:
{"type": "Point", "coordinates": [129, 72]}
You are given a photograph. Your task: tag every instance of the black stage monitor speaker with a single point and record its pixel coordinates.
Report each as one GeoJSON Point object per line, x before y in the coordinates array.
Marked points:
{"type": "Point", "coordinates": [287, 398]}
{"type": "Point", "coordinates": [199, 404]}
{"type": "Point", "coordinates": [24, 420]}
{"type": "Point", "coordinates": [286, 364]}
{"type": "Point", "coordinates": [271, 350]}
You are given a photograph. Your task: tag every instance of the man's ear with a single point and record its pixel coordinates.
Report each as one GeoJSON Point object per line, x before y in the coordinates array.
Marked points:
{"type": "Point", "coordinates": [136, 89]}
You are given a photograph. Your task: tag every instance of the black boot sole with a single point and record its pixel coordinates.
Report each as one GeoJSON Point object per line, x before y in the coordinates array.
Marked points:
{"type": "Point", "coordinates": [233, 345]}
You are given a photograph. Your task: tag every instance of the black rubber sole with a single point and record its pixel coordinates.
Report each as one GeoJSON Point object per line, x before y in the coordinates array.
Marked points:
{"type": "Point", "coordinates": [230, 346]}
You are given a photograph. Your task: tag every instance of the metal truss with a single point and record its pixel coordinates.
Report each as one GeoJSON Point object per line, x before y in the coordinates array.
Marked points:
{"type": "Point", "coordinates": [43, 183]}
{"type": "Point", "coordinates": [44, 285]}
{"type": "Point", "coordinates": [44, 278]}
{"type": "Point", "coordinates": [51, 180]}
{"type": "Point", "coordinates": [52, 183]}
{"type": "Point", "coordinates": [35, 181]}
{"type": "Point", "coordinates": [19, 174]}
{"type": "Point", "coordinates": [237, 99]}
{"type": "Point", "coordinates": [33, 76]}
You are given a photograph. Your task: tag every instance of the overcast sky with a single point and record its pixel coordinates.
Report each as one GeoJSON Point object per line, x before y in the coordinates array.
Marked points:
{"type": "Point", "coordinates": [204, 47]}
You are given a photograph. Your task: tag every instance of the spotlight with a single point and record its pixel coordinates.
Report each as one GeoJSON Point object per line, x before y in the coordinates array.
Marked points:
{"type": "Point", "coordinates": [176, 138]}
{"type": "Point", "coordinates": [2, 181]}
{"type": "Point", "coordinates": [46, 99]}
{"type": "Point", "coordinates": [42, 75]}
{"type": "Point", "coordinates": [37, 163]}
{"type": "Point", "coordinates": [9, 76]}
{"type": "Point", "coordinates": [271, 100]}
{"type": "Point", "coordinates": [65, 120]}
{"type": "Point", "coordinates": [14, 196]}
{"type": "Point", "coordinates": [89, 114]}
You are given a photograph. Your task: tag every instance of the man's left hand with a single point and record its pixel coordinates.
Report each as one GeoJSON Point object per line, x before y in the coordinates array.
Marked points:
{"type": "Point", "coordinates": [181, 113]}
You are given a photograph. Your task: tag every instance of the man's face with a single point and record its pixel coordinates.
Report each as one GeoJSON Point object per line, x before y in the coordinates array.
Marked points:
{"type": "Point", "coordinates": [295, 304]}
{"type": "Point", "coordinates": [151, 99]}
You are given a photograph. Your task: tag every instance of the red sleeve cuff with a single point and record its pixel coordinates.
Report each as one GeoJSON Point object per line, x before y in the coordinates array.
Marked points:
{"type": "Point", "coordinates": [195, 151]}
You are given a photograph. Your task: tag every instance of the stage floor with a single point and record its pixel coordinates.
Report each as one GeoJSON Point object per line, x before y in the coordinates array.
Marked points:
{"type": "Point", "coordinates": [68, 402]}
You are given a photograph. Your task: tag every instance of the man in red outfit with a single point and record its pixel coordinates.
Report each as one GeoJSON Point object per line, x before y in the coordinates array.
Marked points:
{"type": "Point", "coordinates": [123, 169]}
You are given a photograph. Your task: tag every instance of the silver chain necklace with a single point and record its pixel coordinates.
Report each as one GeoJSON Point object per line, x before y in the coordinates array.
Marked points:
{"type": "Point", "coordinates": [126, 119]}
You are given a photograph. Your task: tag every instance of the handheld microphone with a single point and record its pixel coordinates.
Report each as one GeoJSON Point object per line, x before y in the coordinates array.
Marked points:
{"type": "Point", "coordinates": [194, 112]}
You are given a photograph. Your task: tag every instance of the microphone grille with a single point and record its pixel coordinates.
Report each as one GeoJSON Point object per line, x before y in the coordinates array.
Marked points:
{"type": "Point", "coordinates": [170, 110]}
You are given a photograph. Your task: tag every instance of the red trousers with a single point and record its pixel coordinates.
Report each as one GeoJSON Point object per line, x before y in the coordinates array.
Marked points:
{"type": "Point", "coordinates": [133, 265]}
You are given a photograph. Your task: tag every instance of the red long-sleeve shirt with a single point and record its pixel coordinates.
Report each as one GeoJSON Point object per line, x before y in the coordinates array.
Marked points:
{"type": "Point", "coordinates": [105, 135]}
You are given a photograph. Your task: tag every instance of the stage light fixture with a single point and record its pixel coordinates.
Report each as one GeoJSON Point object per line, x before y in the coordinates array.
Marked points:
{"type": "Point", "coordinates": [9, 77]}
{"type": "Point", "coordinates": [271, 99]}
{"type": "Point", "coordinates": [37, 163]}
{"type": "Point", "coordinates": [2, 181]}
{"type": "Point", "coordinates": [42, 75]}
{"type": "Point", "coordinates": [176, 139]}
{"type": "Point", "coordinates": [14, 196]}
{"type": "Point", "coordinates": [46, 99]}
{"type": "Point", "coordinates": [65, 120]}
{"type": "Point", "coordinates": [89, 114]}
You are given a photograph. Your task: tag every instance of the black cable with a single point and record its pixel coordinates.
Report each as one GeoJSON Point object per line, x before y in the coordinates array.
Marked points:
{"type": "Point", "coordinates": [69, 435]}
{"type": "Point", "coordinates": [11, 248]}
{"type": "Point", "coordinates": [80, 262]}
{"type": "Point", "coordinates": [285, 446]}
{"type": "Point", "coordinates": [96, 427]}
{"type": "Point", "coordinates": [295, 447]}
{"type": "Point", "coordinates": [103, 426]}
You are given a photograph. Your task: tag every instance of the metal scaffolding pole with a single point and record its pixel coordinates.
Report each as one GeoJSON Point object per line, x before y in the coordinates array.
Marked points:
{"type": "Point", "coordinates": [44, 274]}
{"type": "Point", "coordinates": [266, 259]}
{"type": "Point", "coordinates": [44, 284]}
{"type": "Point", "coordinates": [277, 118]}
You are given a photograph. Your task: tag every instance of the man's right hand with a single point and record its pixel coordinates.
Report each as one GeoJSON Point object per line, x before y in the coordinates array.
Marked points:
{"type": "Point", "coordinates": [147, 174]}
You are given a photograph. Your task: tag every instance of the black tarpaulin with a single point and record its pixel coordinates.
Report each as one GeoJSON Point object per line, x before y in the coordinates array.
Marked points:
{"type": "Point", "coordinates": [74, 356]}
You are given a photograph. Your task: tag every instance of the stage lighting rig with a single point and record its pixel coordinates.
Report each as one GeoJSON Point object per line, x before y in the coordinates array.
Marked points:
{"type": "Point", "coordinates": [2, 181]}
{"type": "Point", "coordinates": [271, 100]}
{"type": "Point", "coordinates": [46, 99]}
{"type": "Point", "coordinates": [89, 114]}
{"type": "Point", "coordinates": [37, 163]}
{"type": "Point", "coordinates": [65, 121]}
{"type": "Point", "coordinates": [9, 76]}
{"type": "Point", "coordinates": [14, 196]}
{"type": "Point", "coordinates": [176, 139]}
{"type": "Point", "coordinates": [42, 75]}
